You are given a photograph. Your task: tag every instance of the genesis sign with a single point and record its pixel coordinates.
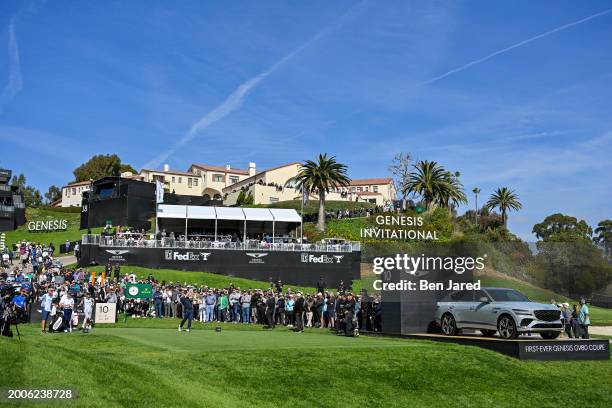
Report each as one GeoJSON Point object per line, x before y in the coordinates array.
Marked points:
{"type": "Point", "coordinates": [187, 256]}
{"type": "Point", "coordinates": [47, 226]}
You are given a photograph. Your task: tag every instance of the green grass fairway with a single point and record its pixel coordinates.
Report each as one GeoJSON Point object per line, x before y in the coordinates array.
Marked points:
{"type": "Point", "coordinates": [252, 367]}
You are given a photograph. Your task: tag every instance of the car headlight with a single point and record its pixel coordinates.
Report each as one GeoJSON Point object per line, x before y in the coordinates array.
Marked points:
{"type": "Point", "coordinates": [522, 312]}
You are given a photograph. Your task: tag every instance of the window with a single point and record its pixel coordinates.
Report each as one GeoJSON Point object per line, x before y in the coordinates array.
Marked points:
{"type": "Point", "coordinates": [173, 179]}
{"type": "Point", "coordinates": [67, 192]}
{"type": "Point", "coordinates": [367, 188]}
{"type": "Point", "coordinates": [73, 190]}
{"type": "Point", "coordinates": [180, 180]}
{"type": "Point", "coordinates": [189, 182]}
{"type": "Point", "coordinates": [354, 189]}
{"type": "Point", "coordinates": [375, 189]}
{"type": "Point", "coordinates": [359, 189]}
{"type": "Point", "coordinates": [233, 179]}
{"type": "Point", "coordinates": [195, 182]}
{"type": "Point", "coordinates": [217, 178]}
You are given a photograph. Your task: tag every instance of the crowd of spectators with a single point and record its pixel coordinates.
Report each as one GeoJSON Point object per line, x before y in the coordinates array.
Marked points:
{"type": "Point", "coordinates": [38, 283]}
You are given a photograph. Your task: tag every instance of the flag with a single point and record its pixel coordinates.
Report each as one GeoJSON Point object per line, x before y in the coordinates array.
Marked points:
{"type": "Point", "coordinates": [159, 192]}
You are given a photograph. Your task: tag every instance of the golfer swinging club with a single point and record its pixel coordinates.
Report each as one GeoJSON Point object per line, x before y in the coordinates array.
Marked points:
{"type": "Point", "coordinates": [187, 303]}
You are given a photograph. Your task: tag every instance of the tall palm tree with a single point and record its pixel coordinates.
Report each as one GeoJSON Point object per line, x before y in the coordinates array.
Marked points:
{"type": "Point", "coordinates": [504, 199]}
{"type": "Point", "coordinates": [427, 181]}
{"type": "Point", "coordinates": [604, 236]}
{"type": "Point", "coordinates": [476, 191]}
{"type": "Point", "coordinates": [435, 185]}
{"type": "Point", "coordinates": [320, 177]}
{"type": "Point", "coordinates": [450, 193]}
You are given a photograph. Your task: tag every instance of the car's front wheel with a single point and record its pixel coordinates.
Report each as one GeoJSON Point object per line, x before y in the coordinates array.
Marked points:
{"type": "Point", "coordinates": [487, 333]}
{"type": "Point", "coordinates": [507, 328]}
{"type": "Point", "coordinates": [549, 335]}
{"type": "Point", "coordinates": [448, 324]}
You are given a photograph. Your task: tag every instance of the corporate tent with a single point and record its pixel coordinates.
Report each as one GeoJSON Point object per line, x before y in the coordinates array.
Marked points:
{"type": "Point", "coordinates": [216, 222]}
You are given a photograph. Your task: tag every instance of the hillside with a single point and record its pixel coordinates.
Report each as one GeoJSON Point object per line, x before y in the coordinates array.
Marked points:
{"type": "Point", "coordinates": [72, 232]}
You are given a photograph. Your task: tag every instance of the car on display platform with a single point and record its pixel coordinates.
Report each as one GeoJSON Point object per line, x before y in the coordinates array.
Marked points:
{"type": "Point", "coordinates": [497, 310]}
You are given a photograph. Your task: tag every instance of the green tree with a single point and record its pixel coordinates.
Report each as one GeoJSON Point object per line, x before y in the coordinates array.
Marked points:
{"type": "Point", "coordinates": [505, 200]}
{"type": "Point", "coordinates": [19, 181]}
{"type": "Point", "coordinates": [249, 200]}
{"type": "Point", "coordinates": [320, 177]}
{"type": "Point", "coordinates": [451, 194]}
{"type": "Point", "coordinates": [101, 166]}
{"type": "Point", "coordinates": [435, 185]}
{"type": "Point", "coordinates": [241, 198]}
{"type": "Point", "coordinates": [603, 236]}
{"type": "Point", "coordinates": [476, 191]}
{"type": "Point", "coordinates": [53, 194]}
{"type": "Point", "coordinates": [562, 228]}
{"type": "Point", "coordinates": [568, 261]}
{"type": "Point", "coordinates": [31, 195]}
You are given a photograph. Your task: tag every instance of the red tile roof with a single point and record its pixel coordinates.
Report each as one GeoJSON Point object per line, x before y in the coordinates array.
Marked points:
{"type": "Point", "coordinates": [371, 181]}
{"type": "Point", "coordinates": [220, 169]}
{"type": "Point", "coordinates": [181, 173]}
{"type": "Point", "coordinates": [78, 183]}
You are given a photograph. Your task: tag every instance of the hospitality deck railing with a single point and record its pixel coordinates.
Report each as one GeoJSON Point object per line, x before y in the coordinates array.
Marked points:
{"type": "Point", "coordinates": [111, 241]}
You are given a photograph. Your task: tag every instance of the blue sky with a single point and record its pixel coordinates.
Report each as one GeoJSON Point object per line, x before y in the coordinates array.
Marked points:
{"type": "Point", "coordinates": [513, 94]}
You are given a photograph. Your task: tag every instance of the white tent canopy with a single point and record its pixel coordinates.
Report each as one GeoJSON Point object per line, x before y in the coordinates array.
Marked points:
{"type": "Point", "coordinates": [285, 215]}
{"type": "Point", "coordinates": [245, 215]}
{"type": "Point", "coordinates": [229, 213]}
{"type": "Point", "coordinates": [201, 212]}
{"type": "Point", "coordinates": [257, 214]}
{"type": "Point", "coordinates": [171, 211]}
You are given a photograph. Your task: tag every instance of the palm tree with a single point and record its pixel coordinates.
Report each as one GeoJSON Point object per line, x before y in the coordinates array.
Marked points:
{"type": "Point", "coordinates": [451, 194]}
{"type": "Point", "coordinates": [504, 199]}
{"type": "Point", "coordinates": [426, 181]}
{"type": "Point", "coordinates": [321, 176]}
{"type": "Point", "coordinates": [604, 236]}
{"type": "Point", "coordinates": [435, 185]}
{"type": "Point", "coordinates": [476, 191]}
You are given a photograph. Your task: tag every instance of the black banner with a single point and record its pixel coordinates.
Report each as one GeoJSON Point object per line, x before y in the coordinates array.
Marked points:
{"type": "Point", "coordinates": [293, 268]}
{"type": "Point", "coordinates": [565, 350]}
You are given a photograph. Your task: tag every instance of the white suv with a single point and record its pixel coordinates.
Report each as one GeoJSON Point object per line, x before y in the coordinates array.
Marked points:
{"type": "Point", "coordinates": [501, 310]}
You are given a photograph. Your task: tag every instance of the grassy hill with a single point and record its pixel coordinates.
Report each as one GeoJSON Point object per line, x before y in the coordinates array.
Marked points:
{"type": "Point", "coordinates": [142, 366]}
{"type": "Point", "coordinates": [72, 233]}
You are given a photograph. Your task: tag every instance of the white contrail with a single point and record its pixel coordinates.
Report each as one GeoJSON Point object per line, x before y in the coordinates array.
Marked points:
{"type": "Point", "coordinates": [237, 97]}
{"type": "Point", "coordinates": [15, 82]}
{"type": "Point", "coordinates": [519, 44]}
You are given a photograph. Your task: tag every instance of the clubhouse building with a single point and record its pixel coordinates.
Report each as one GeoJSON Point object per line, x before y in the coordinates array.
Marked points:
{"type": "Point", "coordinates": [225, 183]}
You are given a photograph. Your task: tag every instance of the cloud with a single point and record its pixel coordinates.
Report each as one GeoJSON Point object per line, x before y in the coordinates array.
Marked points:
{"type": "Point", "coordinates": [237, 97]}
{"type": "Point", "coordinates": [15, 83]}
{"type": "Point", "coordinates": [517, 45]}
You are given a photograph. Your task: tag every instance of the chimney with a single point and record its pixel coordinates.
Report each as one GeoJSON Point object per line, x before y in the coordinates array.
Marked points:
{"type": "Point", "coordinates": [252, 169]}
{"type": "Point", "coordinates": [228, 167]}
{"type": "Point", "coordinates": [166, 167]}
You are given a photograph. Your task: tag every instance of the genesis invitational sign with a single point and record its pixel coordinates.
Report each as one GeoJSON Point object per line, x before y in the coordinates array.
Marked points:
{"type": "Point", "coordinates": [47, 226]}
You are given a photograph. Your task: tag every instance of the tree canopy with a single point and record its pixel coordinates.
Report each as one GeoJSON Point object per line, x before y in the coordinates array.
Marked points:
{"type": "Point", "coordinates": [101, 166]}
{"type": "Point", "coordinates": [562, 228]}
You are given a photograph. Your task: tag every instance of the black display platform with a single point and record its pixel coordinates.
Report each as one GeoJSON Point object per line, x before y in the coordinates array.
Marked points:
{"type": "Point", "coordinates": [526, 348]}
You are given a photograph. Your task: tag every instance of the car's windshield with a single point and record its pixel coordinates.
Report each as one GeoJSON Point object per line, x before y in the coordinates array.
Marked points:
{"type": "Point", "coordinates": [507, 295]}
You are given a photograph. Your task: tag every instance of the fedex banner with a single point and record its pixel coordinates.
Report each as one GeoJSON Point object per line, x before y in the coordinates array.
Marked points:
{"type": "Point", "coordinates": [293, 268]}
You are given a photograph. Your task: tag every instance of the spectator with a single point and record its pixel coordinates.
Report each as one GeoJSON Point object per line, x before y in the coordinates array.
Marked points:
{"type": "Point", "coordinates": [584, 319]}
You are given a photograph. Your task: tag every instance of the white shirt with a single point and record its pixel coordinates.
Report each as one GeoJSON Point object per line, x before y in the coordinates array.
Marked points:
{"type": "Point", "coordinates": [87, 305]}
{"type": "Point", "coordinates": [67, 303]}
